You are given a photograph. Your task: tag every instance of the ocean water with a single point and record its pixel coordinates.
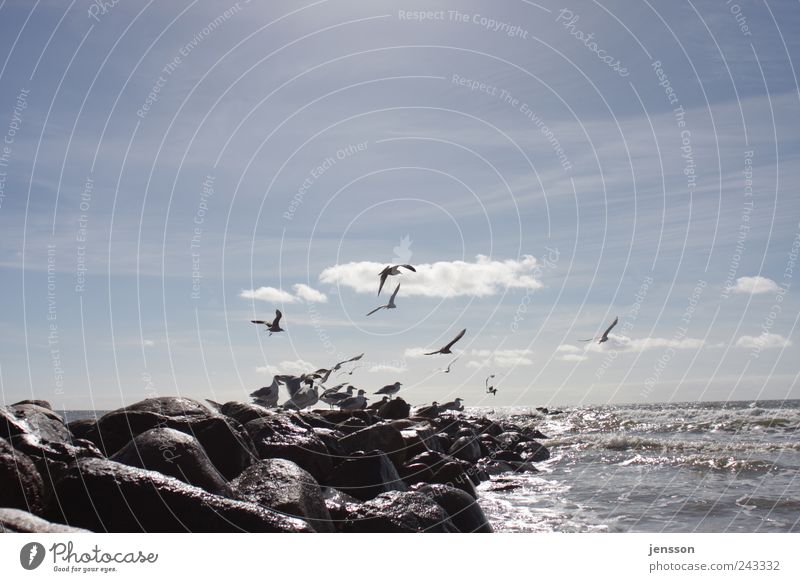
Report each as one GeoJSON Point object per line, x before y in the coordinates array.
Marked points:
{"type": "Point", "coordinates": [684, 467]}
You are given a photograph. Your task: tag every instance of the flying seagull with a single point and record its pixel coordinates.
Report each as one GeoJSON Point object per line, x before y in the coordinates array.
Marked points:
{"type": "Point", "coordinates": [391, 389]}
{"type": "Point", "coordinates": [353, 359]}
{"type": "Point", "coordinates": [389, 305]}
{"type": "Point", "coordinates": [392, 270]}
{"type": "Point", "coordinates": [273, 326]}
{"type": "Point", "coordinates": [446, 349]}
{"type": "Point", "coordinates": [604, 337]}
{"type": "Point", "coordinates": [450, 365]}
{"type": "Point", "coordinates": [490, 389]}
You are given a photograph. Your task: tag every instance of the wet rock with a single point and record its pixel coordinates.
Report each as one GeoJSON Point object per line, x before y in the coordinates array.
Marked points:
{"type": "Point", "coordinates": [366, 475]}
{"type": "Point", "coordinates": [21, 485]}
{"type": "Point", "coordinates": [413, 444]}
{"type": "Point", "coordinates": [283, 486]}
{"type": "Point", "coordinates": [466, 448]}
{"type": "Point", "coordinates": [507, 456]}
{"type": "Point", "coordinates": [508, 440]}
{"type": "Point", "coordinates": [278, 436]}
{"type": "Point", "coordinates": [243, 412]}
{"type": "Point", "coordinates": [175, 454]}
{"type": "Point", "coordinates": [10, 425]}
{"type": "Point", "coordinates": [399, 512]}
{"type": "Point", "coordinates": [432, 459]}
{"type": "Point", "coordinates": [464, 511]}
{"type": "Point", "coordinates": [453, 474]}
{"type": "Point", "coordinates": [36, 420]}
{"type": "Point", "coordinates": [20, 521]}
{"type": "Point", "coordinates": [394, 409]}
{"type": "Point", "coordinates": [352, 425]}
{"type": "Point", "coordinates": [493, 429]}
{"type": "Point", "coordinates": [532, 451]}
{"type": "Point", "coordinates": [415, 473]}
{"type": "Point", "coordinates": [439, 442]}
{"type": "Point", "coordinates": [82, 428]}
{"type": "Point", "coordinates": [494, 467]}
{"type": "Point", "coordinates": [330, 438]}
{"type": "Point", "coordinates": [339, 506]}
{"type": "Point", "coordinates": [337, 417]}
{"type": "Point", "coordinates": [40, 403]}
{"type": "Point", "coordinates": [53, 457]}
{"type": "Point", "coordinates": [102, 495]}
{"type": "Point", "coordinates": [382, 437]}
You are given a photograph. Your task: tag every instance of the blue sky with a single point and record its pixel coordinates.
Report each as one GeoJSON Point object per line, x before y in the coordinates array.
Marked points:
{"type": "Point", "coordinates": [173, 170]}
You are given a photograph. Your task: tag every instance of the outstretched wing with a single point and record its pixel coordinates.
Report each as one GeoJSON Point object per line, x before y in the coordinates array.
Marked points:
{"type": "Point", "coordinates": [409, 267]}
{"type": "Point", "coordinates": [586, 340]}
{"type": "Point", "coordinates": [278, 316]}
{"type": "Point", "coordinates": [383, 274]}
{"type": "Point", "coordinates": [458, 337]}
{"type": "Point", "coordinates": [376, 309]}
{"type": "Point", "coordinates": [396, 289]}
{"type": "Point", "coordinates": [610, 327]}
{"type": "Point", "coordinates": [258, 321]}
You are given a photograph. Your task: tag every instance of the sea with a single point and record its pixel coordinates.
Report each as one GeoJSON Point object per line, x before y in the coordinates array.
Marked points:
{"type": "Point", "coordinates": [677, 467]}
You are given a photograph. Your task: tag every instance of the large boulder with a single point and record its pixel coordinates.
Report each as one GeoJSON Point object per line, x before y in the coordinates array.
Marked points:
{"type": "Point", "coordinates": [339, 506]}
{"type": "Point", "coordinates": [382, 437]}
{"type": "Point", "coordinates": [102, 495]}
{"type": "Point", "coordinates": [463, 509]}
{"type": "Point", "coordinates": [399, 512]}
{"type": "Point", "coordinates": [466, 448]}
{"type": "Point", "coordinates": [283, 486]}
{"type": "Point", "coordinates": [280, 436]}
{"type": "Point", "coordinates": [19, 521]}
{"type": "Point", "coordinates": [21, 485]}
{"type": "Point", "coordinates": [224, 440]}
{"type": "Point", "coordinates": [366, 475]}
{"type": "Point", "coordinates": [176, 454]}
{"type": "Point", "coordinates": [394, 409]}
{"type": "Point", "coordinates": [53, 457]}
{"type": "Point", "coordinates": [532, 451]}
{"type": "Point", "coordinates": [42, 422]}
{"type": "Point", "coordinates": [453, 474]}
{"type": "Point", "coordinates": [244, 412]}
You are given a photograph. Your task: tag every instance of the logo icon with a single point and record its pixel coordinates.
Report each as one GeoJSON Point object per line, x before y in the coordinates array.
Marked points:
{"type": "Point", "coordinates": [403, 252]}
{"type": "Point", "coordinates": [31, 555]}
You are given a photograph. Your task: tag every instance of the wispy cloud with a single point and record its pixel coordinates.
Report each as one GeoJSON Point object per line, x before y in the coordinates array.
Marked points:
{"type": "Point", "coordinates": [416, 352]}
{"type": "Point", "coordinates": [387, 368]}
{"type": "Point", "coordinates": [501, 358]}
{"type": "Point", "coordinates": [483, 277]}
{"type": "Point", "coordinates": [274, 295]}
{"type": "Point", "coordinates": [754, 285]}
{"type": "Point", "coordinates": [625, 344]}
{"type": "Point", "coordinates": [294, 367]}
{"type": "Point", "coordinates": [572, 357]}
{"type": "Point", "coordinates": [763, 341]}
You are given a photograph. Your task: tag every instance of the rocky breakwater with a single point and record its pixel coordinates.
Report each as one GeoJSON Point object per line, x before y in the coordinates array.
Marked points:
{"type": "Point", "coordinates": [174, 464]}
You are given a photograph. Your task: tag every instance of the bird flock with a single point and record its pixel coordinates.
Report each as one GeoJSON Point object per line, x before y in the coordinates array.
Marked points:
{"type": "Point", "coordinates": [304, 390]}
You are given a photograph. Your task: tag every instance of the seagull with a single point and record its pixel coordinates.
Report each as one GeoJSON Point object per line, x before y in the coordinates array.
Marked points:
{"type": "Point", "coordinates": [332, 396]}
{"type": "Point", "coordinates": [390, 389]}
{"type": "Point", "coordinates": [454, 405]}
{"type": "Point", "coordinates": [350, 373]}
{"type": "Point", "coordinates": [268, 395]}
{"type": "Point", "coordinates": [490, 389]}
{"type": "Point", "coordinates": [446, 349]}
{"type": "Point", "coordinates": [299, 396]}
{"type": "Point", "coordinates": [273, 326]}
{"type": "Point", "coordinates": [604, 337]}
{"type": "Point", "coordinates": [390, 305]}
{"type": "Point", "coordinates": [353, 359]}
{"type": "Point", "coordinates": [447, 369]}
{"type": "Point", "coordinates": [431, 411]}
{"type": "Point", "coordinates": [392, 270]}
{"type": "Point", "coordinates": [354, 402]}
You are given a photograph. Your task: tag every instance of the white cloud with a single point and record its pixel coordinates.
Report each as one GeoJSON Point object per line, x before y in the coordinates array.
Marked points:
{"type": "Point", "coordinates": [572, 358]}
{"type": "Point", "coordinates": [416, 352]}
{"type": "Point", "coordinates": [293, 367]}
{"type": "Point", "coordinates": [569, 349]}
{"type": "Point", "coordinates": [754, 285]}
{"type": "Point", "coordinates": [623, 343]}
{"type": "Point", "coordinates": [763, 341]}
{"type": "Point", "coordinates": [387, 368]}
{"type": "Point", "coordinates": [309, 294]}
{"type": "Point", "coordinates": [270, 294]}
{"type": "Point", "coordinates": [481, 278]}
{"type": "Point", "coordinates": [148, 343]}
{"type": "Point", "coordinates": [501, 358]}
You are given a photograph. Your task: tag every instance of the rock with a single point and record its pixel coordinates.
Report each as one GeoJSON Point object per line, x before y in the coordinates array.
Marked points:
{"type": "Point", "coordinates": [243, 412]}
{"type": "Point", "coordinates": [19, 521]}
{"type": "Point", "coordinates": [394, 409]}
{"type": "Point", "coordinates": [466, 448]}
{"type": "Point", "coordinates": [278, 436]}
{"type": "Point", "coordinates": [21, 484]}
{"type": "Point", "coordinates": [352, 425]}
{"type": "Point", "coordinates": [399, 512]}
{"type": "Point", "coordinates": [224, 440]}
{"type": "Point", "coordinates": [508, 440]}
{"type": "Point", "coordinates": [366, 475]}
{"type": "Point", "coordinates": [330, 438]}
{"type": "Point", "coordinates": [464, 511]}
{"type": "Point", "coordinates": [52, 457]}
{"type": "Point", "coordinates": [339, 506]}
{"type": "Point", "coordinates": [523, 467]}
{"type": "Point", "coordinates": [175, 454]}
{"type": "Point", "coordinates": [382, 437]}
{"type": "Point", "coordinates": [413, 444]}
{"type": "Point", "coordinates": [439, 442]}
{"type": "Point", "coordinates": [532, 451]}
{"type": "Point", "coordinates": [507, 456]}
{"type": "Point", "coordinates": [36, 420]}
{"type": "Point", "coordinates": [432, 459]}
{"type": "Point", "coordinates": [283, 486]}
{"type": "Point", "coordinates": [493, 429]}
{"type": "Point", "coordinates": [10, 425]}
{"type": "Point", "coordinates": [494, 467]}
{"type": "Point", "coordinates": [82, 428]}
{"type": "Point", "coordinates": [453, 474]}
{"type": "Point", "coordinates": [40, 403]}
{"type": "Point", "coordinates": [415, 473]}
{"type": "Point", "coordinates": [101, 495]}
{"type": "Point", "coordinates": [337, 417]}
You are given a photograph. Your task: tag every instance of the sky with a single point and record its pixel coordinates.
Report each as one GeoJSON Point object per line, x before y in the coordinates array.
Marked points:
{"type": "Point", "coordinates": [170, 171]}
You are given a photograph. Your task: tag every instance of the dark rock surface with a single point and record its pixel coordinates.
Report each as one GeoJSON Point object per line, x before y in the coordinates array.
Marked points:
{"type": "Point", "coordinates": [21, 485]}
{"type": "Point", "coordinates": [107, 496]}
{"type": "Point", "coordinates": [366, 475]}
{"type": "Point", "coordinates": [394, 409]}
{"type": "Point", "coordinates": [463, 509]}
{"type": "Point", "coordinates": [283, 486]}
{"type": "Point", "coordinates": [399, 512]}
{"type": "Point", "coordinates": [382, 437]}
{"type": "Point", "coordinates": [20, 521]}
{"type": "Point", "coordinates": [175, 454]}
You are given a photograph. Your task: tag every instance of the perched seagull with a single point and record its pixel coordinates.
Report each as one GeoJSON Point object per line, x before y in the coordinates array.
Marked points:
{"type": "Point", "coordinates": [390, 305]}
{"type": "Point", "coordinates": [268, 395]}
{"type": "Point", "coordinates": [392, 270]}
{"type": "Point", "coordinates": [604, 337]}
{"type": "Point", "coordinates": [354, 402]}
{"type": "Point", "coordinates": [378, 404]}
{"type": "Point", "coordinates": [454, 405]}
{"type": "Point", "coordinates": [446, 349]}
{"type": "Point", "coordinates": [332, 396]}
{"type": "Point", "coordinates": [300, 396]}
{"type": "Point", "coordinates": [431, 411]}
{"type": "Point", "coordinates": [391, 389]}
{"type": "Point", "coordinates": [273, 326]}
